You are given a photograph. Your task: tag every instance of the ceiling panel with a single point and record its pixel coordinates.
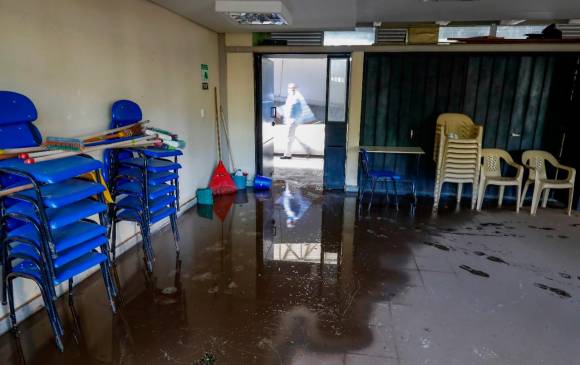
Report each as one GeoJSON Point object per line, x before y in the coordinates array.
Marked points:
{"type": "Point", "coordinates": [345, 14]}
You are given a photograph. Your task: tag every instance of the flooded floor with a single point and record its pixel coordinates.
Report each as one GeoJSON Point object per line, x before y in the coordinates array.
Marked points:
{"type": "Point", "coordinates": [298, 276]}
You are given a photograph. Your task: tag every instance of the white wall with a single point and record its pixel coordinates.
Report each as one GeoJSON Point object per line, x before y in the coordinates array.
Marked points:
{"type": "Point", "coordinates": [73, 58]}
{"type": "Point", "coordinates": [241, 114]}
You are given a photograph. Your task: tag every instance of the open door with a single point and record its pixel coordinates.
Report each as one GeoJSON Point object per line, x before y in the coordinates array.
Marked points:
{"type": "Point", "coordinates": [267, 116]}
{"type": "Point", "coordinates": [336, 121]}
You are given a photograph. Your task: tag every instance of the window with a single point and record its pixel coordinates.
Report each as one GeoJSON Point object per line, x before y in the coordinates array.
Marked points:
{"type": "Point", "coordinates": [518, 31]}
{"type": "Point", "coordinates": [357, 37]}
{"type": "Point", "coordinates": [462, 32]}
{"type": "Point", "coordinates": [337, 89]}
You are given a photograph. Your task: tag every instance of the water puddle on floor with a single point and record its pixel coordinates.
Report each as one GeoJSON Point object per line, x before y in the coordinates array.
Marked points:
{"type": "Point", "coordinates": [297, 275]}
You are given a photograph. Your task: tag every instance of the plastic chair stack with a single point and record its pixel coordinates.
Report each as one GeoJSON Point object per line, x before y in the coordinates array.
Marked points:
{"type": "Point", "coordinates": [457, 152]}
{"type": "Point", "coordinates": [144, 183]}
{"type": "Point", "coordinates": [47, 234]}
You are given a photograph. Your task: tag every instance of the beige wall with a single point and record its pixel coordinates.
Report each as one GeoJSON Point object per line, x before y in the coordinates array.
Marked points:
{"type": "Point", "coordinates": [241, 114]}
{"type": "Point", "coordinates": [73, 58]}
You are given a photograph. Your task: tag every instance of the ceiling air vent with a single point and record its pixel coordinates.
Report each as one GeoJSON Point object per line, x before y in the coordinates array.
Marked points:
{"type": "Point", "coordinates": [255, 12]}
{"type": "Point", "coordinates": [299, 38]}
{"type": "Point", "coordinates": [390, 36]}
{"type": "Point", "coordinates": [569, 30]}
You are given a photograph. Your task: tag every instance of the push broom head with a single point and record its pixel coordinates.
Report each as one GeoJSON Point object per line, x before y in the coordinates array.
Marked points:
{"type": "Point", "coordinates": [63, 144]}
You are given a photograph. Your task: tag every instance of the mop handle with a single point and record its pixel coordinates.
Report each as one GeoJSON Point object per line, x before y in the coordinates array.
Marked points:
{"type": "Point", "coordinates": [217, 124]}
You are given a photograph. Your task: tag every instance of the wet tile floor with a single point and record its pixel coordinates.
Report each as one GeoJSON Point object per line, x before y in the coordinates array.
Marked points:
{"type": "Point", "coordinates": [305, 277]}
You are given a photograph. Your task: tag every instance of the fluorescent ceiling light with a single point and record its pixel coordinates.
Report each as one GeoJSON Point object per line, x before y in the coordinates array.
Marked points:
{"type": "Point", "coordinates": [255, 12]}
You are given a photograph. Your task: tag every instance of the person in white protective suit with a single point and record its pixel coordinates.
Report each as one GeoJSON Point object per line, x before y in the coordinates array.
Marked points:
{"type": "Point", "coordinates": [296, 112]}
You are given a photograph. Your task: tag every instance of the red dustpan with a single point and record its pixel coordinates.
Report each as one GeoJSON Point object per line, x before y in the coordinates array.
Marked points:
{"type": "Point", "coordinates": [221, 181]}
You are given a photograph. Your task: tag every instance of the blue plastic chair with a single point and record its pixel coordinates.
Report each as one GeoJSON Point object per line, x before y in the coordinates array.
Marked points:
{"type": "Point", "coordinates": [45, 231]}
{"type": "Point", "coordinates": [143, 181]}
{"type": "Point", "coordinates": [374, 177]}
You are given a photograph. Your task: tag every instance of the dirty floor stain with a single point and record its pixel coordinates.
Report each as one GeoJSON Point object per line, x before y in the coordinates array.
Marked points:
{"type": "Point", "coordinates": [302, 276]}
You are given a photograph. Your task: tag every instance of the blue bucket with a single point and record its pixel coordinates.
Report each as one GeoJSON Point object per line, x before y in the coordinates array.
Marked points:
{"type": "Point", "coordinates": [204, 196]}
{"type": "Point", "coordinates": [262, 183]}
{"type": "Point", "coordinates": [240, 181]}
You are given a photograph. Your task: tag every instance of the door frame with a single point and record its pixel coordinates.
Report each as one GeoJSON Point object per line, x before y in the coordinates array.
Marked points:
{"type": "Point", "coordinates": [348, 58]}
{"type": "Point", "coordinates": [258, 94]}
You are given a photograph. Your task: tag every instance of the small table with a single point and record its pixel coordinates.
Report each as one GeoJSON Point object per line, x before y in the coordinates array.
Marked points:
{"type": "Point", "coordinates": [394, 150]}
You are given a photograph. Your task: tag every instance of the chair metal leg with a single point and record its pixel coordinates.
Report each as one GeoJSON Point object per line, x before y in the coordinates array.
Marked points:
{"type": "Point", "coordinates": [113, 239]}
{"type": "Point", "coordinates": [174, 228]}
{"type": "Point", "coordinates": [374, 183]}
{"type": "Point", "coordinates": [109, 286]}
{"type": "Point", "coordinates": [396, 194]}
{"type": "Point", "coordinates": [459, 192]}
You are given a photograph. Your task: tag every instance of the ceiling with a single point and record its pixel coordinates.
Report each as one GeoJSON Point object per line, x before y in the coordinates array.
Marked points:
{"type": "Point", "coordinates": [345, 14]}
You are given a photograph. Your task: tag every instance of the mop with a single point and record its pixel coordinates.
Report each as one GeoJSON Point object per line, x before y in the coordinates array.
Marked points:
{"type": "Point", "coordinates": [221, 181]}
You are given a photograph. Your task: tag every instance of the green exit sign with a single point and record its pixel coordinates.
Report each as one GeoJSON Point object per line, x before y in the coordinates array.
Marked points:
{"type": "Point", "coordinates": [204, 76]}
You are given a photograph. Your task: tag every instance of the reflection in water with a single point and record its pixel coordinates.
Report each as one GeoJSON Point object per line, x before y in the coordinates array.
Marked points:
{"type": "Point", "coordinates": [244, 290]}
{"type": "Point", "coordinates": [294, 203]}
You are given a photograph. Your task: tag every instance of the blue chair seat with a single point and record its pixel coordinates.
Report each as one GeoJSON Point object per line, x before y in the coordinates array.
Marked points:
{"type": "Point", "coordinates": [62, 274]}
{"type": "Point", "coordinates": [60, 217]}
{"type": "Point", "coordinates": [154, 178]}
{"type": "Point", "coordinates": [160, 152]}
{"type": "Point", "coordinates": [65, 237]}
{"type": "Point", "coordinates": [134, 188]}
{"type": "Point", "coordinates": [66, 192]}
{"type": "Point", "coordinates": [132, 202]}
{"type": "Point", "coordinates": [65, 256]}
{"type": "Point", "coordinates": [384, 174]}
{"type": "Point", "coordinates": [152, 165]}
{"type": "Point", "coordinates": [132, 215]}
{"type": "Point", "coordinates": [54, 171]}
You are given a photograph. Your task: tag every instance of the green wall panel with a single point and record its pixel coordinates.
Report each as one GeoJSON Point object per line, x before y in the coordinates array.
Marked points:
{"type": "Point", "coordinates": [514, 96]}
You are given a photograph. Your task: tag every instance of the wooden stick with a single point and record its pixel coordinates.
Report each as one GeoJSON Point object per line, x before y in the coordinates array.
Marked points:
{"type": "Point", "coordinates": [138, 142]}
{"type": "Point", "coordinates": [109, 131]}
{"type": "Point", "coordinates": [22, 150]}
{"type": "Point", "coordinates": [17, 189]}
{"type": "Point", "coordinates": [84, 137]}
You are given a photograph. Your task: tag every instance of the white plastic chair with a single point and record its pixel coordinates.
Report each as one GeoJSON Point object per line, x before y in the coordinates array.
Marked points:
{"type": "Point", "coordinates": [490, 174]}
{"type": "Point", "coordinates": [535, 161]}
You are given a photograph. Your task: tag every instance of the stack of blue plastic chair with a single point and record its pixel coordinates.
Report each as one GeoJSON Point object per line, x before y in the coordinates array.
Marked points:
{"type": "Point", "coordinates": [46, 233]}
{"type": "Point", "coordinates": [144, 183]}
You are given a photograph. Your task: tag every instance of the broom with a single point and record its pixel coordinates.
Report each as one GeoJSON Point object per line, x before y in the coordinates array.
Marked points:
{"type": "Point", "coordinates": [138, 142]}
{"type": "Point", "coordinates": [221, 181]}
{"type": "Point", "coordinates": [60, 154]}
{"type": "Point", "coordinates": [78, 143]}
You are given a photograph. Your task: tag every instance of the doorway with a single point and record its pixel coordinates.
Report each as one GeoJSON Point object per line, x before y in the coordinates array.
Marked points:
{"type": "Point", "coordinates": [301, 118]}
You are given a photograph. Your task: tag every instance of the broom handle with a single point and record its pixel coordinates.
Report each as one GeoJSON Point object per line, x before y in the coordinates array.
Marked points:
{"type": "Point", "coordinates": [17, 189]}
{"type": "Point", "coordinates": [227, 133]}
{"type": "Point", "coordinates": [109, 131]}
{"type": "Point", "coordinates": [133, 142]}
{"type": "Point", "coordinates": [217, 124]}
{"type": "Point", "coordinates": [22, 150]}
